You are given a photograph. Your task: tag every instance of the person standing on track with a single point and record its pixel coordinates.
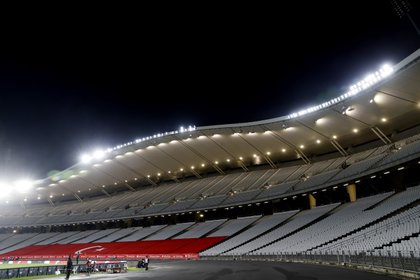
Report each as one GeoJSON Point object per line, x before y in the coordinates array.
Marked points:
{"type": "Point", "coordinates": [146, 263]}
{"type": "Point", "coordinates": [77, 257]}
{"type": "Point", "coordinates": [69, 267]}
{"type": "Point", "coordinates": [88, 266]}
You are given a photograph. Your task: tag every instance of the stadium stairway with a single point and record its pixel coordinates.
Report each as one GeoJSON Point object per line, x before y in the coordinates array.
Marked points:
{"type": "Point", "coordinates": [265, 232]}
{"type": "Point", "coordinates": [239, 232]}
{"type": "Point", "coordinates": [216, 228]}
{"type": "Point", "coordinates": [153, 233]}
{"type": "Point", "coordinates": [398, 241]}
{"type": "Point", "coordinates": [298, 229]}
{"type": "Point", "coordinates": [181, 231]}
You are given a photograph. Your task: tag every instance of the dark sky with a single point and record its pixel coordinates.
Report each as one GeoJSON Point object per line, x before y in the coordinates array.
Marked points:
{"type": "Point", "coordinates": [75, 77]}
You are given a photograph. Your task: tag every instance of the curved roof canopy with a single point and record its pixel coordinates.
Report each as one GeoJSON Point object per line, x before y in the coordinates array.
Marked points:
{"type": "Point", "coordinates": [390, 105]}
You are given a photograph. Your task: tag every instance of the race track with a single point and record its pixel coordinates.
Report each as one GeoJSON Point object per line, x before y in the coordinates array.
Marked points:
{"type": "Point", "coordinates": [224, 270]}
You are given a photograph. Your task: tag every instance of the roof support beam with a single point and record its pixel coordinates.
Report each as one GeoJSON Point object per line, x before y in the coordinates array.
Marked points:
{"type": "Point", "coordinates": [196, 174]}
{"type": "Point", "coordinates": [399, 97]}
{"type": "Point", "coordinates": [270, 162]}
{"type": "Point", "coordinates": [267, 159]}
{"type": "Point", "coordinates": [120, 163]}
{"type": "Point", "coordinates": [129, 168]}
{"type": "Point", "coordinates": [150, 181]}
{"type": "Point", "coordinates": [129, 187]}
{"type": "Point", "coordinates": [338, 147]}
{"type": "Point", "coordinates": [105, 192]}
{"type": "Point", "coordinates": [175, 179]}
{"type": "Point", "coordinates": [148, 161]}
{"type": "Point", "coordinates": [50, 202]}
{"type": "Point", "coordinates": [88, 182]}
{"type": "Point", "coordinates": [373, 128]}
{"type": "Point", "coordinates": [381, 135]}
{"type": "Point", "coordinates": [333, 142]}
{"type": "Point", "coordinates": [242, 164]}
{"type": "Point", "coordinates": [77, 197]}
{"type": "Point", "coordinates": [106, 173]}
{"type": "Point", "coordinates": [302, 156]}
{"type": "Point", "coordinates": [300, 153]}
{"type": "Point", "coordinates": [182, 164]}
{"type": "Point", "coordinates": [200, 155]}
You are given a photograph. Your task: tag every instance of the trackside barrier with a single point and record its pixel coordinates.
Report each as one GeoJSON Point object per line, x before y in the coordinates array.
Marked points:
{"type": "Point", "coordinates": [9, 273]}
{"type": "Point", "coordinates": [401, 263]}
{"type": "Point", "coordinates": [163, 249]}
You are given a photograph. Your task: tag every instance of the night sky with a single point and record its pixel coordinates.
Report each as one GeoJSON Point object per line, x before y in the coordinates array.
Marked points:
{"type": "Point", "coordinates": [75, 78]}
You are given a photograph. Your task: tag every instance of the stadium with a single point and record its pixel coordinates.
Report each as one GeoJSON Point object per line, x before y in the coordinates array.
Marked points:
{"type": "Point", "coordinates": [335, 184]}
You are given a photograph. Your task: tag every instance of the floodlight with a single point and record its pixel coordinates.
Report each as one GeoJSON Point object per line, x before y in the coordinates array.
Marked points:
{"type": "Point", "coordinates": [354, 89]}
{"type": "Point", "coordinates": [23, 186]}
{"type": "Point", "coordinates": [85, 158]}
{"type": "Point", "coordinates": [386, 70]}
{"type": "Point", "coordinates": [4, 189]}
{"type": "Point", "coordinates": [99, 154]}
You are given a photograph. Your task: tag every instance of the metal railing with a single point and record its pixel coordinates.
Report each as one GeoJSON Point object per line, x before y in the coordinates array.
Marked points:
{"type": "Point", "coordinates": [406, 261]}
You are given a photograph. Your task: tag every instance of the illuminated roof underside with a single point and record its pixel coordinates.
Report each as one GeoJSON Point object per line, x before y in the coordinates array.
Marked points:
{"type": "Point", "coordinates": [375, 109]}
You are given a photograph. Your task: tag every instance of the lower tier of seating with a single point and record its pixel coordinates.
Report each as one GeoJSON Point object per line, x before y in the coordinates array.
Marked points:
{"type": "Point", "coordinates": [156, 249]}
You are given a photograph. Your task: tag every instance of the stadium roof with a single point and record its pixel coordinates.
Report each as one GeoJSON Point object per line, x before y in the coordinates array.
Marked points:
{"type": "Point", "coordinates": [388, 106]}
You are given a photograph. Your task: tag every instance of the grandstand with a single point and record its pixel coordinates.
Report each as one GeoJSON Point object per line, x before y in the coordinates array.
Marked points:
{"type": "Point", "coordinates": [337, 179]}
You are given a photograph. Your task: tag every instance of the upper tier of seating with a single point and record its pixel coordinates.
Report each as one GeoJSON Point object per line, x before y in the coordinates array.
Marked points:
{"type": "Point", "coordinates": [217, 191]}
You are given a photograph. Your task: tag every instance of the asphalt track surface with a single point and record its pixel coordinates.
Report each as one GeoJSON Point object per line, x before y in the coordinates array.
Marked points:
{"type": "Point", "coordinates": [224, 270]}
